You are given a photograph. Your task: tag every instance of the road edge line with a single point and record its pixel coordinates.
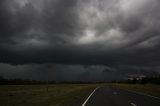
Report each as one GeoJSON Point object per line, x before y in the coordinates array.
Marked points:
{"type": "Point", "coordinates": [133, 104]}
{"type": "Point", "coordinates": [89, 97]}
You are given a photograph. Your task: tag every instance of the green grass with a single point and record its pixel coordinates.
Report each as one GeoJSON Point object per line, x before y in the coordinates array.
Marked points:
{"type": "Point", "coordinates": [150, 89]}
{"type": "Point", "coordinates": [38, 95]}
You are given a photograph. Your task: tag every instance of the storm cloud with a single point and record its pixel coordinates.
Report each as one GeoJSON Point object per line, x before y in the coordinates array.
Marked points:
{"type": "Point", "coordinates": [107, 33]}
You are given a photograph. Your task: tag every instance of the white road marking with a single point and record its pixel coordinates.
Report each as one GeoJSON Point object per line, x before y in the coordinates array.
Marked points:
{"type": "Point", "coordinates": [133, 104]}
{"type": "Point", "coordinates": [89, 97]}
{"type": "Point", "coordinates": [115, 93]}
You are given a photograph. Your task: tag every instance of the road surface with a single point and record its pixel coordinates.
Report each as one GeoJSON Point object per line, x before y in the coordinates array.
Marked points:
{"type": "Point", "coordinates": [109, 96]}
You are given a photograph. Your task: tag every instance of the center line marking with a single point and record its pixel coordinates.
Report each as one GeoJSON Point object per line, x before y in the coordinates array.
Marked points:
{"type": "Point", "coordinates": [133, 104]}
{"type": "Point", "coordinates": [115, 93]}
{"type": "Point", "coordinates": [89, 97]}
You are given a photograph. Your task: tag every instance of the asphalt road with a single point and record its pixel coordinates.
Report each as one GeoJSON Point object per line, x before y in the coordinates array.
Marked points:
{"type": "Point", "coordinates": [109, 96]}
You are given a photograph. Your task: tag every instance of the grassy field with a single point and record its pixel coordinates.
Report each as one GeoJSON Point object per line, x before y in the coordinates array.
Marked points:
{"type": "Point", "coordinates": [39, 95]}
{"type": "Point", "coordinates": [150, 89]}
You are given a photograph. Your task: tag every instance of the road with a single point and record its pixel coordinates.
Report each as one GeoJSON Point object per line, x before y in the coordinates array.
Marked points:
{"type": "Point", "coordinates": [109, 96]}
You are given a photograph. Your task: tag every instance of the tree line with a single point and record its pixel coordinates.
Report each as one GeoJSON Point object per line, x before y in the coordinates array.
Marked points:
{"type": "Point", "coordinates": [146, 80]}
{"type": "Point", "coordinates": [4, 81]}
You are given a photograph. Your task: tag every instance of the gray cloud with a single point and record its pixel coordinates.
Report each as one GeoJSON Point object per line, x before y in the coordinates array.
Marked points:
{"type": "Point", "coordinates": [80, 32]}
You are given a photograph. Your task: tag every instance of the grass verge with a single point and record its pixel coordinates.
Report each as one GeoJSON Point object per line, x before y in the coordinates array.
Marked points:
{"type": "Point", "coordinates": [43, 95]}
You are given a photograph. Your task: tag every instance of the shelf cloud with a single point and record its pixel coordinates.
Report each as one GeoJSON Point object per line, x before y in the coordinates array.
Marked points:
{"type": "Point", "coordinates": [108, 33]}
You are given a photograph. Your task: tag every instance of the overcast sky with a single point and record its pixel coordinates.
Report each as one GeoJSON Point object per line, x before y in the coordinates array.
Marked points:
{"type": "Point", "coordinates": [90, 40]}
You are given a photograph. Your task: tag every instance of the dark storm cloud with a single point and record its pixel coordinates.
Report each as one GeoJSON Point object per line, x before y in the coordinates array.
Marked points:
{"type": "Point", "coordinates": [56, 72]}
{"type": "Point", "coordinates": [61, 72]}
{"type": "Point", "coordinates": [85, 32]}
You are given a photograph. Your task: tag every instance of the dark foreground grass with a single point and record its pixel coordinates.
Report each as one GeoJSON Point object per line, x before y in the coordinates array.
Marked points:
{"type": "Point", "coordinates": [150, 89]}
{"type": "Point", "coordinates": [39, 95]}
